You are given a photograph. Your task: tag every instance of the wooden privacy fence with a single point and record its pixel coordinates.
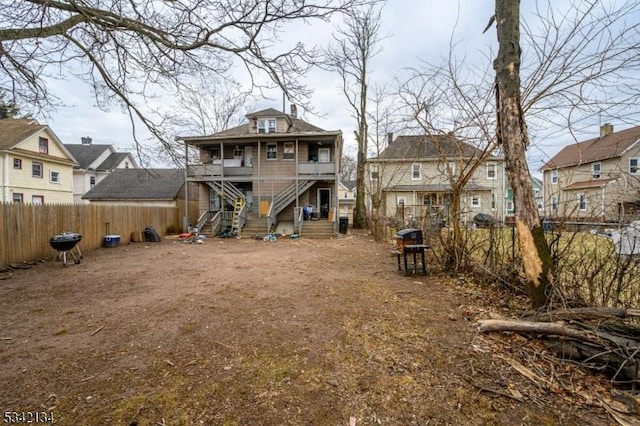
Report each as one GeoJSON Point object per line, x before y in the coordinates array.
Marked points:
{"type": "Point", "coordinates": [25, 229]}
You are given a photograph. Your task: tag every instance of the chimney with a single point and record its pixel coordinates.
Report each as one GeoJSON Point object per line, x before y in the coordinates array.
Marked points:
{"type": "Point", "coordinates": [86, 140]}
{"type": "Point", "coordinates": [294, 111]}
{"type": "Point", "coordinates": [606, 129]}
{"type": "Point", "coordinates": [389, 138]}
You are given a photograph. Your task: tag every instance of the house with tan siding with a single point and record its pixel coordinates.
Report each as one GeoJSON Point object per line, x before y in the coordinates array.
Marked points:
{"type": "Point", "coordinates": [413, 176]}
{"type": "Point", "coordinates": [35, 167]}
{"type": "Point", "coordinates": [258, 176]}
{"type": "Point", "coordinates": [595, 180]}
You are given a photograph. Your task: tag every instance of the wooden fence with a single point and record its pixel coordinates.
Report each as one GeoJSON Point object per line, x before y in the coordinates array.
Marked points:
{"type": "Point", "coordinates": [25, 229]}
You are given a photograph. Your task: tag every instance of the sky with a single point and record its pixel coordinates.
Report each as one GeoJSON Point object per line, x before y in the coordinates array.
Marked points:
{"type": "Point", "coordinates": [415, 30]}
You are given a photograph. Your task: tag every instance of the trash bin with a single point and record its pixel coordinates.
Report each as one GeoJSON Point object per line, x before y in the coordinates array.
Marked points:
{"type": "Point", "coordinates": [344, 225]}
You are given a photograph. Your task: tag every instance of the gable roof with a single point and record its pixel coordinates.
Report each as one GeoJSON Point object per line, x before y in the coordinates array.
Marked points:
{"type": "Point", "coordinates": [113, 160]}
{"type": "Point", "coordinates": [601, 148]}
{"type": "Point", "coordinates": [15, 130]}
{"type": "Point", "coordinates": [428, 146]}
{"type": "Point", "coordinates": [85, 155]}
{"type": "Point", "coordinates": [138, 184]}
{"type": "Point", "coordinates": [349, 184]}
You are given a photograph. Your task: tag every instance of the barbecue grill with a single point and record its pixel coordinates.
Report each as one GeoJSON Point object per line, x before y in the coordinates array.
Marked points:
{"type": "Point", "coordinates": [67, 242]}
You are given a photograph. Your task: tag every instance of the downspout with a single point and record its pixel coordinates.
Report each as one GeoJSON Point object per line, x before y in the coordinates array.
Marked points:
{"type": "Point", "coordinates": [297, 175]}
{"type": "Point", "coordinates": [185, 219]}
{"type": "Point", "coordinates": [259, 182]}
{"type": "Point", "coordinates": [5, 180]}
{"type": "Point", "coordinates": [602, 203]}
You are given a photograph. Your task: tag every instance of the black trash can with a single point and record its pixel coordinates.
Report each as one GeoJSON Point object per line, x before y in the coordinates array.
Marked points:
{"type": "Point", "coordinates": [344, 225]}
{"type": "Point", "coordinates": [151, 235]}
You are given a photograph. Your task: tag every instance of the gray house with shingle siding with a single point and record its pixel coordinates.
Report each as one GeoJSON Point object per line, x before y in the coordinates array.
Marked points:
{"type": "Point", "coordinates": [95, 162]}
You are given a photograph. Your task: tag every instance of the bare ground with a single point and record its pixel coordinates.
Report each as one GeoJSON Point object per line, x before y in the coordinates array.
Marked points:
{"type": "Point", "coordinates": [246, 332]}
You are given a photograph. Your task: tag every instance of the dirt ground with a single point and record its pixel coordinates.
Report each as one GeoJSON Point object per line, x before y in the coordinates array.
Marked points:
{"type": "Point", "coordinates": [246, 332]}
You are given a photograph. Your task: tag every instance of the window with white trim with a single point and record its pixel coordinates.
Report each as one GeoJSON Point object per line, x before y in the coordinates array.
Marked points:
{"type": "Point", "coordinates": [582, 203]}
{"type": "Point", "coordinates": [491, 171]}
{"type": "Point", "coordinates": [373, 173]}
{"type": "Point", "coordinates": [54, 177]}
{"type": "Point", "coordinates": [554, 176]}
{"type": "Point", "coordinates": [493, 200]}
{"type": "Point", "coordinates": [267, 125]}
{"type": "Point", "coordinates": [554, 203]}
{"type": "Point", "coordinates": [475, 201]}
{"type": "Point", "coordinates": [596, 170]}
{"type": "Point", "coordinates": [92, 181]}
{"type": "Point", "coordinates": [37, 199]}
{"type": "Point", "coordinates": [43, 145]}
{"type": "Point", "coordinates": [17, 163]}
{"type": "Point", "coordinates": [416, 171]}
{"type": "Point", "coordinates": [289, 151]}
{"type": "Point", "coordinates": [633, 165]}
{"type": "Point", "coordinates": [401, 201]}
{"type": "Point", "coordinates": [272, 151]}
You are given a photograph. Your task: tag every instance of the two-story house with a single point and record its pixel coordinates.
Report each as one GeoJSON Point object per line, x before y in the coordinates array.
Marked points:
{"type": "Point", "coordinates": [35, 167]}
{"type": "Point", "coordinates": [414, 175]}
{"type": "Point", "coordinates": [95, 162]}
{"type": "Point", "coordinates": [347, 199]}
{"type": "Point", "coordinates": [538, 196]}
{"type": "Point", "coordinates": [595, 180]}
{"type": "Point", "coordinates": [266, 170]}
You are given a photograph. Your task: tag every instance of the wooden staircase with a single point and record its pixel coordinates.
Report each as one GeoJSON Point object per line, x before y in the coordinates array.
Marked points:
{"type": "Point", "coordinates": [318, 229]}
{"type": "Point", "coordinates": [254, 226]}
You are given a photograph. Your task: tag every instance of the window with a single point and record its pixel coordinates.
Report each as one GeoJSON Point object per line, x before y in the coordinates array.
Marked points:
{"type": "Point", "coordinates": [475, 201]}
{"type": "Point", "coordinates": [373, 174]}
{"type": "Point", "coordinates": [582, 202]}
{"type": "Point", "coordinates": [36, 170]}
{"type": "Point", "coordinates": [214, 153]}
{"type": "Point", "coordinates": [37, 199]}
{"type": "Point", "coordinates": [493, 200]}
{"type": "Point", "coordinates": [17, 163]}
{"type": "Point", "coordinates": [633, 166]}
{"type": "Point", "coordinates": [43, 145]}
{"type": "Point", "coordinates": [401, 201]}
{"type": "Point", "coordinates": [272, 151]}
{"type": "Point", "coordinates": [267, 125]}
{"type": "Point", "coordinates": [92, 181]}
{"type": "Point", "coordinates": [126, 164]}
{"type": "Point", "coordinates": [289, 151]}
{"type": "Point", "coordinates": [595, 170]}
{"type": "Point", "coordinates": [509, 206]}
{"type": "Point", "coordinates": [554, 203]}
{"type": "Point", "coordinates": [324, 155]}
{"type": "Point", "coordinates": [491, 170]}
{"type": "Point", "coordinates": [54, 177]}
{"type": "Point", "coordinates": [17, 197]}
{"type": "Point", "coordinates": [416, 171]}
{"type": "Point", "coordinates": [554, 176]}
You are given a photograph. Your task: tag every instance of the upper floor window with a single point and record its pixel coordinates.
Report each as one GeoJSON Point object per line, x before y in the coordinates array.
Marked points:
{"type": "Point", "coordinates": [92, 181]}
{"type": "Point", "coordinates": [324, 155]}
{"type": "Point", "coordinates": [633, 165]}
{"type": "Point", "coordinates": [554, 203]}
{"type": "Point", "coordinates": [214, 153]}
{"type": "Point", "coordinates": [272, 151]}
{"type": "Point", "coordinates": [491, 170]}
{"type": "Point", "coordinates": [43, 145]}
{"type": "Point", "coordinates": [373, 173]}
{"type": "Point", "coordinates": [289, 151]}
{"type": "Point", "coordinates": [17, 163]}
{"type": "Point", "coordinates": [267, 125]}
{"type": "Point", "coordinates": [582, 202]}
{"type": "Point", "coordinates": [36, 170]}
{"type": "Point", "coordinates": [554, 176]}
{"type": "Point", "coordinates": [126, 164]}
{"type": "Point", "coordinates": [401, 201]}
{"type": "Point", "coordinates": [54, 177]}
{"type": "Point", "coordinates": [416, 171]}
{"type": "Point", "coordinates": [595, 170]}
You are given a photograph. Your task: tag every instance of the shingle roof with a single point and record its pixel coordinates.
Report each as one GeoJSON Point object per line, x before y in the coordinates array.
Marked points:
{"type": "Point", "coordinates": [349, 184]}
{"type": "Point", "coordinates": [138, 184]}
{"type": "Point", "coordinates": [428, 146]}
{"type": "Point", "coordinates": [113, 160]}
{"type": "Point", "coordinates": [436, 187]}
{"type": "Point", "coordinates": [594, 183]}
{"type": "Point", "coordinates": [85, 155]}
{"type": "Point", "coordinates": [15, 130]}
{"type": "Point", "coordinates": [596, 149]}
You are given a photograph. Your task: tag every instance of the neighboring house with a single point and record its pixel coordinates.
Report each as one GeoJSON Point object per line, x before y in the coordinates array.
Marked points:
{"type": "Point", "coordinates": [35, 167]}
{"type": "Point", "coordinates": [268, 169]}
{"type": "Point", "coordinates": [95, 162]}
{"type": "Point", "coordinates": [597, 179]}
{"type": "Point", "coordinates": [538, 196]}
{"type": "Point", "coordinates": [347, 199]}
{"type": "Point", "coordinates": [413, 176]}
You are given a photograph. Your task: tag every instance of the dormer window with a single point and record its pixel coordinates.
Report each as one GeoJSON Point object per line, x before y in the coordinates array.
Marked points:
{"type": "Point", "coordinates": [267, 125]}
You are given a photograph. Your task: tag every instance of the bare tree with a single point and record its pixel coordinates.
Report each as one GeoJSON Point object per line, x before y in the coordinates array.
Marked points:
{"type": "Point", "coordinates": [355, 45]}
{"type": "Point", "coordinates": [129, 52]}
{"type": "Point", "coordinates": [348, 167]}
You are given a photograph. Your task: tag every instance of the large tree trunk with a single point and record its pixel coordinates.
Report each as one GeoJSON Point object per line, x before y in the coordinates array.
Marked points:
{"type": "Point", "coordinates": [512, 133]}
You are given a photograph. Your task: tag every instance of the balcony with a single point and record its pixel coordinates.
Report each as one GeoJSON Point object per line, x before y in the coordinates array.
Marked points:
{"type": "Point", "coordinates": [231, 167]}
{"type": "Point", "coordinates": [315, 168]}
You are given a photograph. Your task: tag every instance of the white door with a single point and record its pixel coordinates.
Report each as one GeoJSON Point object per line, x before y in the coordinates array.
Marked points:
{"type": "Point", "coordinates": [248, 156]}
{"type": "Point", "coordinates": [324, 155]}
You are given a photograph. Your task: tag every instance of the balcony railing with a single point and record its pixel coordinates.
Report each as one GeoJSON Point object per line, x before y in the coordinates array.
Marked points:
{"type": "Point", "coordinates": [211, 170]}
{"type": "Point", "coordinates": [314, 168]}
